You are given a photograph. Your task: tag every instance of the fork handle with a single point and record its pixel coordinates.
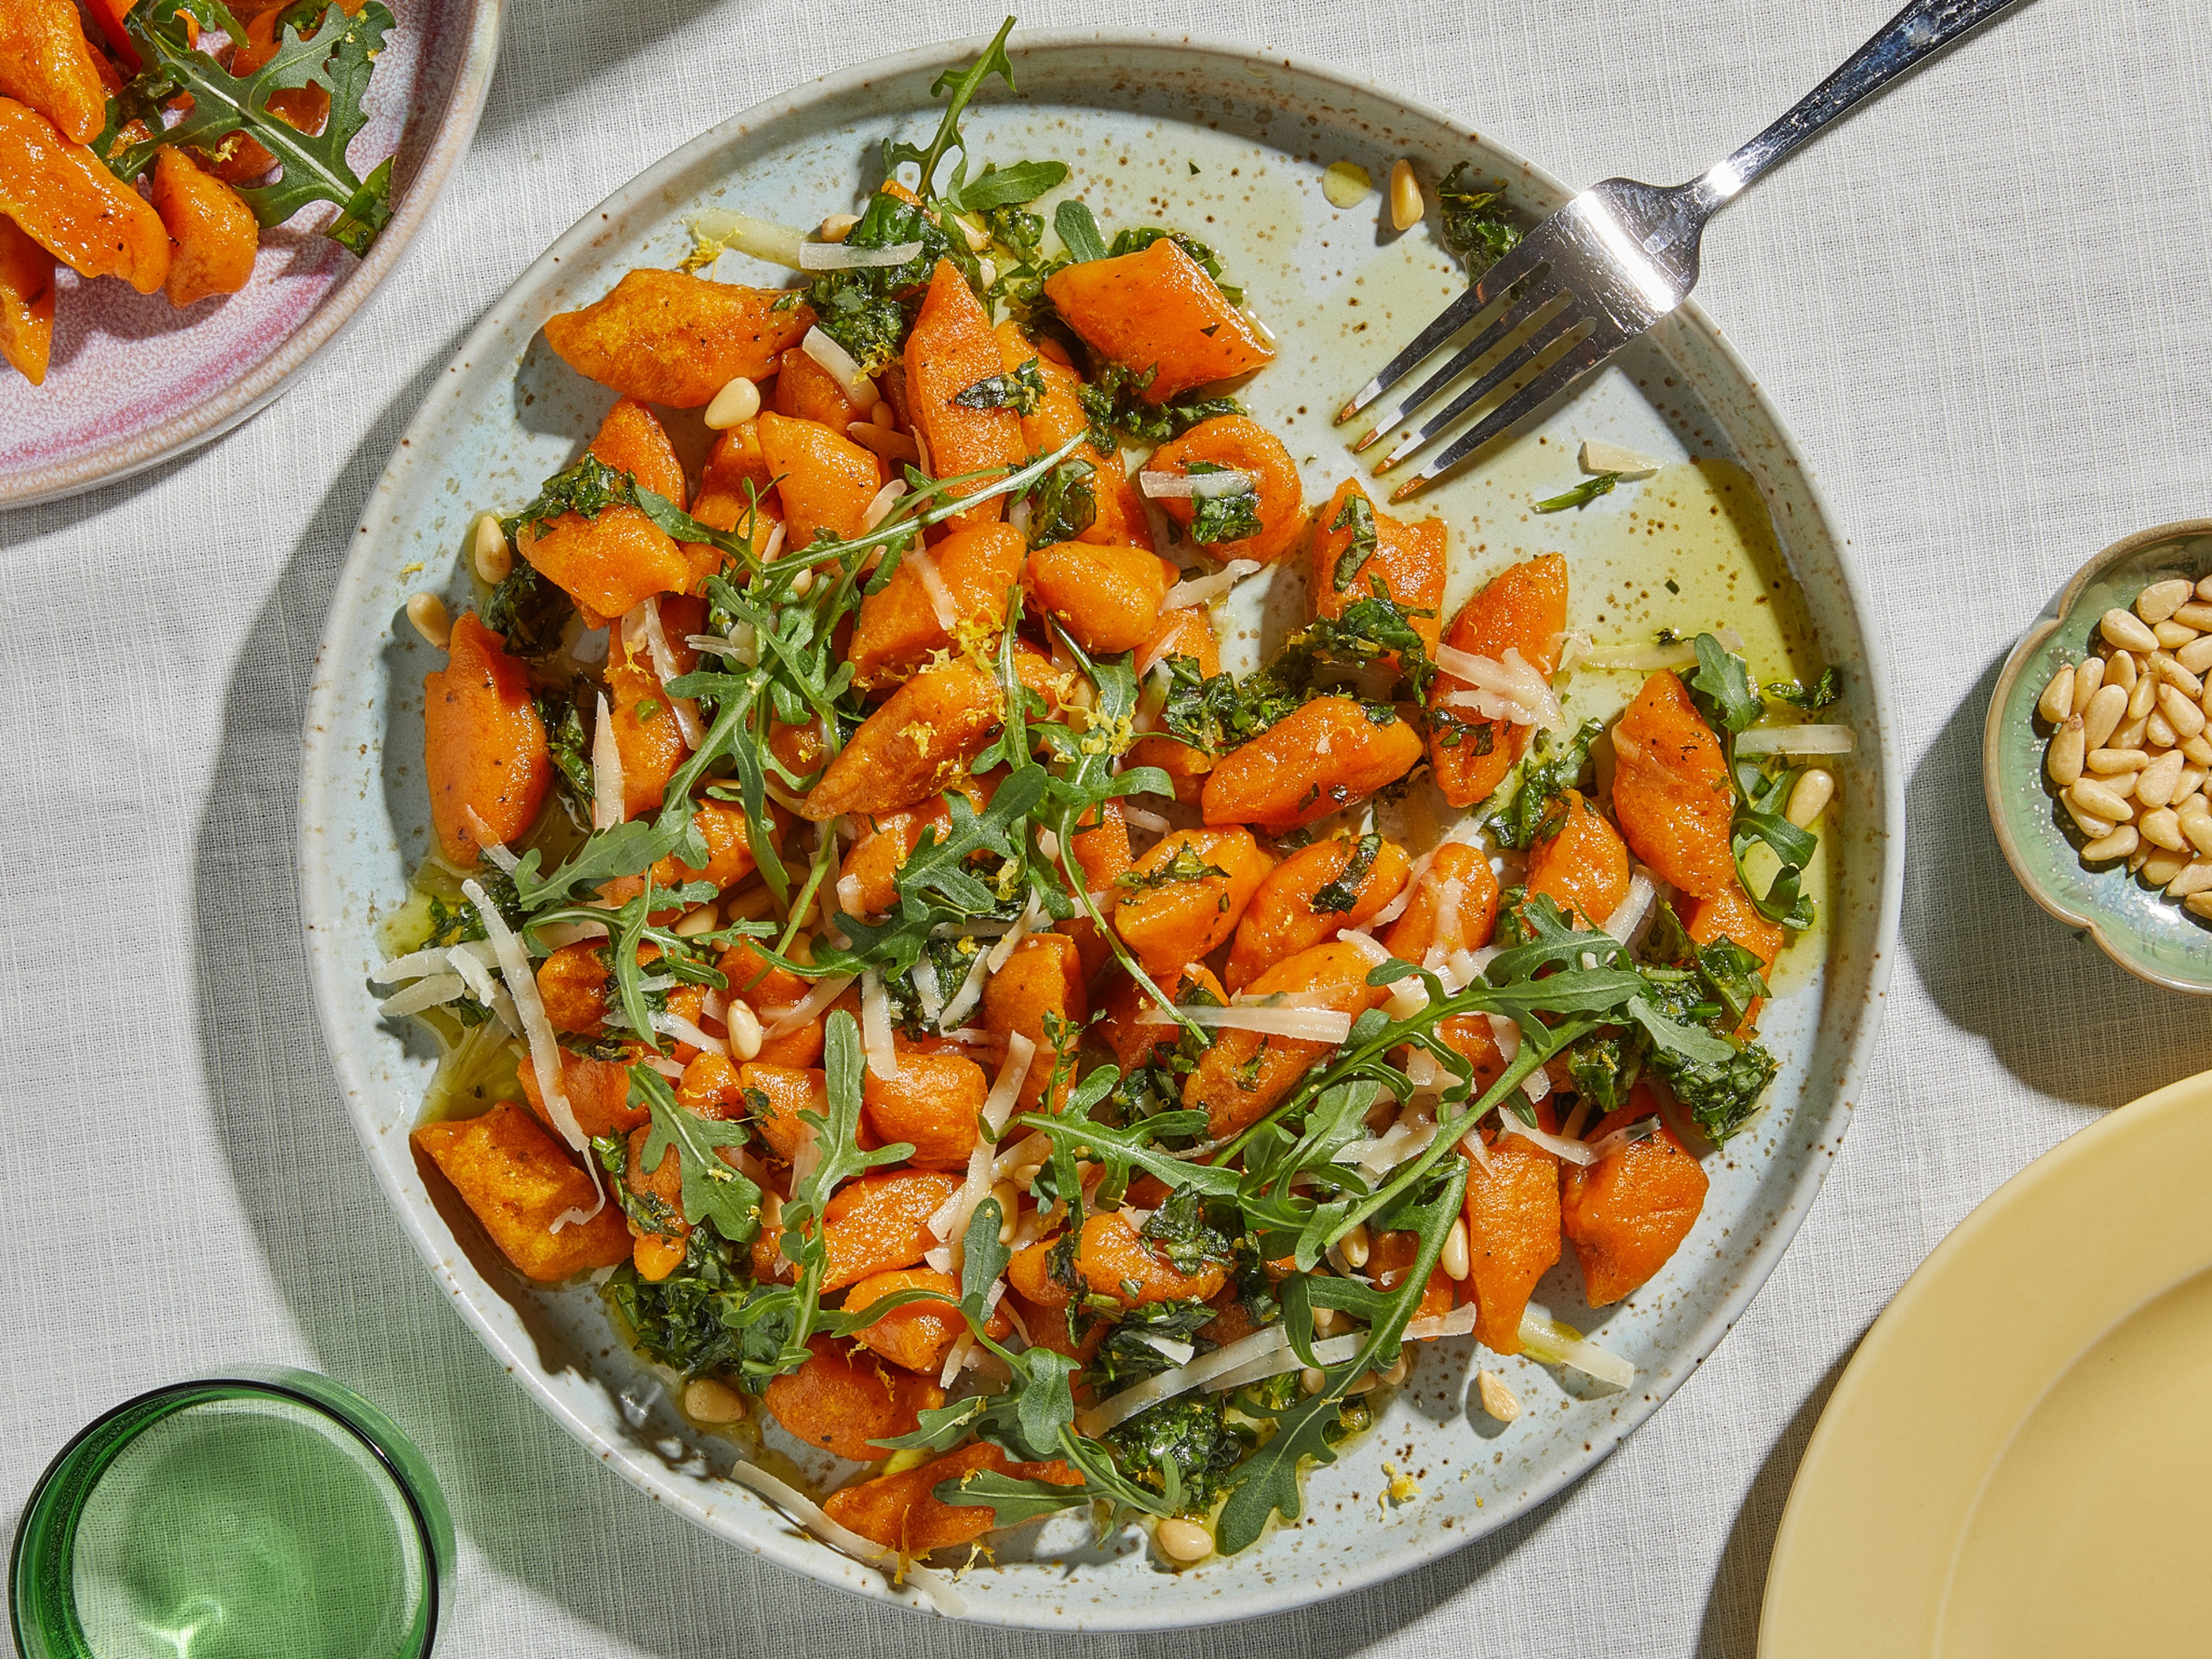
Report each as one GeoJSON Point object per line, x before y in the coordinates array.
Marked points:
{"type": "Point", "coordinates": [1907, 41]}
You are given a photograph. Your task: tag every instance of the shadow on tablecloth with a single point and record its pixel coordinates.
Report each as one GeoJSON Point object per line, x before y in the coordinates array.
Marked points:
{"type": "Point", "coordinates": [2056, 1012]}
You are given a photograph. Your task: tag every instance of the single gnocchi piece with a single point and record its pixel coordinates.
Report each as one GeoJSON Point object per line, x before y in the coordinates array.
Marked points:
{"type": "Point", "coordinates": [1522, 609]}
{"type": "Point", "coordinates": [1671, 790]}
{"type": "Point", "coordinates": [1324, 756]}
{"type": "Point", "coordinates": [952, 350]}
{"type": "Point", "coordinates": [518, 1180]}
{"type": "Point", "coordinates": [1358, 548]}
{"type": "Point", "coordinates": [1312, 895]}
{"type": "Point", "coordinates": [1242, 445]}
{"type": "Point", "coordinates": [666, 336]}
{"type": "Point", "coordinates": [1158, 312]}
{"type": "Point", "coordinates": [1186, 894]}
{"type": "Point", "coordinates": [483, 746]}
{"type": "Point", "coordinates": [1107, 598]}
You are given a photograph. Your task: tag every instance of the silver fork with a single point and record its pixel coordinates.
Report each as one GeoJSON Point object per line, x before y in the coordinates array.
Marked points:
{"type": "Point", "coordinates": [1618, 258]}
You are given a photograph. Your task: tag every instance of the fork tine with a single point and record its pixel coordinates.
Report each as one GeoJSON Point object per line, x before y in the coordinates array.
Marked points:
{"type": "Point", "coordinates": [1583, 357]}
{"type": "Point", "coordinates": [1546, 334]}
{"type": "Point", "coordinates": [1531, 299]}
{"type": "Point", "coordinates": [1519, 262]}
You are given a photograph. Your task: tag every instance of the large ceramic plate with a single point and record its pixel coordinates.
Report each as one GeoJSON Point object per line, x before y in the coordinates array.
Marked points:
{"type": "Point", "coordinates": [2018, 1462]}
{"type": "Point", "coordinates": [1229, 145]}
{"type": "Point", "coordinates": [133, 380]}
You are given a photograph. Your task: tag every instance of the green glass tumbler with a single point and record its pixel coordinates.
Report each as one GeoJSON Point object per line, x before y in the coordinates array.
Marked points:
{"type": "Point", "coordinates": [270, 1514]}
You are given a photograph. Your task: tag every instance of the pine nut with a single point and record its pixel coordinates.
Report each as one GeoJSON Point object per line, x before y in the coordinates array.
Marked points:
{"type": "Point", "coordinates": [838, 226]}
{"type": "Point", "coordinates": [738, 402]}
{"type": "Point", "coordinates": [802, 584]}
{"type": "Point", "coordinates": [2161, 827]}
{"type": "Point", "coordinates": [2159, 868]}
{"type": "Point", "coordinates": [2139, 858]}
{"type": "Point", "coordinates": [2057, 699]}
{"type": "Point", "coordinates": [1311, 1381]}
{"type": "Point", "coordinates": [2106, 710]}
{"type": "Point", "coordinates": [2191, 780]}
{"type": "Point", "coordinates": [744, 1028]}
{"type": "Point", "coordinates": [693, 923]}
{"type": "Point", "coordinates": [884, 416]}
{"type": "Point", "coordinates": [2204, 587]}
{"type": "Point", "coordinates": [2182, 713]}
{"type": "Point", "coordinates": [1406, 206]}
{"type": "Point", "coordinates": [2090, 825]}
{"type": "Point", "coordinates": [1326, 1321]}
{"type": "Point", "coordinates": [2175, 635]}
{"type": "Point", "coordinates": [2111, 762]}
{"type": "Point", "coordinates": [1811, 795]}
{"type": "Point", "coordinates": [1396, 1372]}
{"type": "Point", "coordinates": [2128, 631]}
{"type": "Point", "coordinates": [2151, 728]}
{"type": "Point", "coordinates": [427, 612]}
{"type": "Point", "coordinates": [2167, 667]}
{"type": "Point", "coordinates": [2197, 827]}
{"type": "Point", "coordinates": [2092, 796]}
{"type": "Point", "coordinates": [2155, 784]}
{"type": "Point", "coordinates": [2161, 599]}
{"type": "Point", "coordinates": [1356, 1246]}
{"type": "Point", "coordinates": [1500, 1401]}
{"type": "Point", "coordinates": [2198, 749]}
{"type": "Point", "coordinates": [2196, 878]}
{"type": "Point", "coordinates": [708, 1399]}
{"type": "Point", "coordinates": [2120, 670]}
{"type": "Point", "coordinates": [2088, 678]}
{"type": "Point", "coordinates": [488, 551]}
{"type": "Point", "coordinates": [1183, 1540]}
{"type": "Point", "coordinates": [2198, 616]}
{"type": "Point", "coordinates": [1455, 1259]}
{"type": "Point", "coordinates": [2142, 697]}
{"type": "Point", "coordinates": [2117, 845]}
{"type": "Point", "coordinates": [976, 238]}
{"type": "Point", "coordinates": [2062, 760]}
{"type": "Point", "coordinates": [2196, 655]}
{"type": "Point", "coordinates": [2198, 904]}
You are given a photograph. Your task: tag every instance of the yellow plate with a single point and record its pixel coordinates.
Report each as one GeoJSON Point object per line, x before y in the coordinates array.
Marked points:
{"type": "Point", "coordinates": [2018, 1461]}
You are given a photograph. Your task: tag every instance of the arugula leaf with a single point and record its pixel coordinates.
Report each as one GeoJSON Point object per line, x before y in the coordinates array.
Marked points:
{"type": "Point", "coordinates": [1064, 504]}
{"type": "Point", "coordinates": [1581, 495]}
{"type": "Point", "coordinates": [1357, 516]}
{"type": "Point", "coordinates": [1013, 186]}
{"type": "Point", "coordinates": [715, 1193]}
{"type": "Point", "coordinates": [982, 1257]}
{"type": "Point", "coordinates": [1470, 224]}
{"type": "Point", "coordinates": [340, 54]}
{"type": "Point", "coordinates": [962, 85]}
{"type": "Point", "coordinates": [1722, 687]}
{"type": "Point", "coordinates": [1079, 232]}
{"type": "Point", "coordinates": [1343, 893]}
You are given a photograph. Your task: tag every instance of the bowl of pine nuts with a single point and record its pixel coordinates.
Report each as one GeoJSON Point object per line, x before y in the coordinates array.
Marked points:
{"type": "Point", "coordinates": [2097, 753]}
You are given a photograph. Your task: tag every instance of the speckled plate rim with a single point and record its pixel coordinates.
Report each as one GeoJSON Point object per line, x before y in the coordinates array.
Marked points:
{"type": "Point", "coordinates": [751, 1522]}
{"type": "Point", "coordinates": [2108, 1219]}
{"type": "Point", "coordinates": [2052, 618]}
{"type": "Point", "coordinates": [209, 420]}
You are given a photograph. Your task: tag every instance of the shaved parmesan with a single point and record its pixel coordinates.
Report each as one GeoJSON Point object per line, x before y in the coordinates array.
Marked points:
{"type": "Point", "coordinates": [488, 843]}
{"type": "Point", "coordinates": [1651, 659]}
{"type": "Point", "coordinates": [1627, 1135]}
{"type": "Point", "coordinates": [933, 1587]}
{"type": "Point", "coordinates": [607, 770]}
{"type": "Point", "coordinates": [1200, 486]}
{"type": "Point", "coordinates": [666, 668]}
{"type": "Point", "coordinates": [838, 363]}
{"type": "Point", "coordinates": [1014, 936]}
{"type": "Point", "coordinates": [683, 1030]}
{"type": "Point", "coordinates": [1573, 1151]}
{"type": "Point", "coordinates": [1543, 1338]}
{"type": "Point", "coordinates": [544, 1045]}
{"type": "Point", "coordinates": [1599, 456]}
{"type": "Point", "coordinates": [1137, 818]}
{"type": "Point", "coordinates": [843, 256]}
{"type": "Point", "coordinates": [1303, 1025]}
{"type": "Point", "coordinates": [1507, 688]}
{"type": "Point", "coordinates": [825, 992]}
{"type": "Point", "coordinates": [950, 1222]}
{"type": "Point", "coordinates": [1204, 590]}
{"type": "Point", "coordinates": [880, 508]}
{"type": "Point", "coordinates": [1796, 740]}
{"type": "Point", "coordinates": [933, 583]}
{"type": "Point", "coordinates": [1628, 915]}
{"type": "Point", "coordinates": [740, 233]}
{"type": "Point", "coordinates": [965, 999]}
{"type": "Point", "coordinates": [876, 1027]}
{"type": "Point", "coordinates": [430, 992]}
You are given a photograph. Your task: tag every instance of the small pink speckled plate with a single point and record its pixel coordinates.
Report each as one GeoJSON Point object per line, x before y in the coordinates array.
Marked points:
{"type": "Point", "coordinates": [134, 380]}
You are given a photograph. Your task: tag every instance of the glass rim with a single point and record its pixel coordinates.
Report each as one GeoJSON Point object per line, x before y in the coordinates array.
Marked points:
{"type": "Point", "coordinates": [290, 1384]}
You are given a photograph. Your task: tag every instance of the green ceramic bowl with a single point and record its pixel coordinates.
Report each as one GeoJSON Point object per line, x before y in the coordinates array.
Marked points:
{"type": "Point", "coordinates": [2138, 926]}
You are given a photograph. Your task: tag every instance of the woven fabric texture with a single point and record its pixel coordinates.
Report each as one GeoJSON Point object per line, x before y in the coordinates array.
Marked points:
{"type": "Point", "coordinates": [1980, 305]}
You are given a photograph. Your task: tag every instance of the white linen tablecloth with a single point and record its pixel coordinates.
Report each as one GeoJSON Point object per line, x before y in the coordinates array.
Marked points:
{"type": "Point", "coordinates": [1982, 306]}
